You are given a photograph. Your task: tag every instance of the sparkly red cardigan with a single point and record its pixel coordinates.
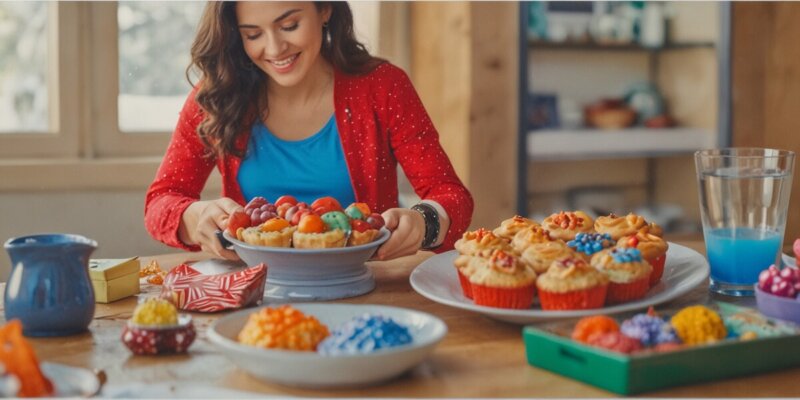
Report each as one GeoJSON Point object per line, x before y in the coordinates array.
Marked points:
{"type": "Point", "coordinates": [381, 122]}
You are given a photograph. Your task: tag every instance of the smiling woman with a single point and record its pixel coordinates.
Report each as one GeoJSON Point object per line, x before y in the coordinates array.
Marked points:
{"type": "Point", "coordinates": [289, 102]}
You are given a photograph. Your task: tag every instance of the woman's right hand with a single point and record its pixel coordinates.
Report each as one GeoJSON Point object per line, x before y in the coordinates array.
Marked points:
{"type": "Point", "coordinates": [202, 219]}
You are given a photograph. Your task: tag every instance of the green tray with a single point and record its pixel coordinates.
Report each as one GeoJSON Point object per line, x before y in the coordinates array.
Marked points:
{"type": "Point", "coordinates": [547, 347]}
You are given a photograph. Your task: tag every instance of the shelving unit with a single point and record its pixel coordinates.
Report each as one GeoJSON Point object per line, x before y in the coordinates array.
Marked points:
{"type": "Point", "coordinates": [553, 145]}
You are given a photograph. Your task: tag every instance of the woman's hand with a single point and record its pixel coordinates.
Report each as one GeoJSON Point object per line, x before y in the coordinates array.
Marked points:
{"type": "Point", "coordinates": [202, 219]}
{"type": "Point", "coordinates": [408, 231]}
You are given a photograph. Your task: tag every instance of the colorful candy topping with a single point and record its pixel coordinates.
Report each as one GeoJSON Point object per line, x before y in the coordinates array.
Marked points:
{"type": "Point", "coordinates": [698, 324]}
{"type": "Point", "coordinates": [155, 312]}
{"type": "Point", "coordinates": [590, 243]}
{"type": "Point", "coordinates": [337, 220]}
{"type": "Point", "coordinates": [358, 211]}
{"type": "Point", "coordinates": [274, 225]}
{"type": "Point", "coordinates": [780, 282]}
{"type": "Point", "coordinates": [311, 223]}
{"type": "Point", "coordinates": [283, 328]}
{"type": "Point", "coordinates": [649, 329]}
{"type": "Point", "coordinates": [503, 262]}
{"type": "Point", "coordinates": [365, 334]}
{"type": "Point", "coordinates": [590, 326]}
{"type": "Point", "coordinates": [626, 255]}
{"type": "Point", "coordinates": [567, 220]}
{"type": "Point", "coordinates": [260, 210]}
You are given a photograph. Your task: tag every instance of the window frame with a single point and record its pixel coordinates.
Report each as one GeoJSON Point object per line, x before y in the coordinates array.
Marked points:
{"type": "Point", "coordinates": [63, 65]}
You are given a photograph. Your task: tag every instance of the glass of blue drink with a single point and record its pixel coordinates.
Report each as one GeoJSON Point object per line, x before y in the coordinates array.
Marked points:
{"type": "Point", "coordinates": [744, 198]}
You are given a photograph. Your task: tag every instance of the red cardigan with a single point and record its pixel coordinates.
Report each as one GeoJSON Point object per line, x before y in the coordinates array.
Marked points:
{"type": "Point", "coordinates": [381, 122]}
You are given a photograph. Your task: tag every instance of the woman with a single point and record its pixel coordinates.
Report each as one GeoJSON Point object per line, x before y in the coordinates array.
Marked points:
{"type": "Point", "coordinates": [290, 103]}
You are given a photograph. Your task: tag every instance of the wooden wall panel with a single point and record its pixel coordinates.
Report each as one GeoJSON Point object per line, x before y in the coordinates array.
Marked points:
{"type": "Point", "coordinates": [766, 84]}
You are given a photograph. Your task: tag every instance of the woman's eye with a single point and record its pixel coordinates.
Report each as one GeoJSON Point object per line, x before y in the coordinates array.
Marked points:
{"type": "Point", "coordinates": [290, 27]}
{"type": "Point", "coordinates": [253, 36]}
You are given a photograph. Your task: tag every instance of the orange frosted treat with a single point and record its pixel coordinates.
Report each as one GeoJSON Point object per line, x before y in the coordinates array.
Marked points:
{"type": "Point", "coordinates": [501, 280]}
{"type": "Point", "coordinates": [566, 224]}
{"type": "Point", "coordinates": [590, 326]}
{"type": "Point", "coordinates": [511, 226]}
{"type": "Point", "coordinates": [475, 242]}
{"type": "Point", "coordinates": [533, 234]}
{"type": "Point", "coordinates": [653, 249]}
{"type": "Point", "coordinates": [618, 227]}
{"type": "Point", "coordinates": [628, 273]}
{"type": "Point", "coordinates": [283, 328]}
{"type": "Point", "coordinates": [17, 355]}
{"type": "Point", "coordinates": [572, 284]}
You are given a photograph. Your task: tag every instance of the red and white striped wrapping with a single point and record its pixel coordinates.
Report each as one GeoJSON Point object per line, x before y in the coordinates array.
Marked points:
{"type": "Point", "coordinates": [193, 291]}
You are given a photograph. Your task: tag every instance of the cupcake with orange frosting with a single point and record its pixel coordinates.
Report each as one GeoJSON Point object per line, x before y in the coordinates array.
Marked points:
{"type": "Point", "coordinates": [511, 226]}
{"type": "Point", "coordinates": [653, 249]}
{"type": "Point", "coordinates": [540, 256]}
{"type": "Point", "coordinates": [315, 233]}
{"type": "Point", "coordinates": [531, 235]}
{"type": "Point", "coordinates": [477, 241]}
{"type": "Point", "coordinates": [283, 328]}
{"type": "Point", "coordinates": [274, 232]}
{"type": "Point", "coordinates": [618, 227]}
{"type": "Point", "coordinates": [502, 281]}
{"type": "Point", "coordinates": [565, 225]}
{"type": "Point", "coordinates": [628, 272]}
{"type": "Point", "coordinates": [572, 284]}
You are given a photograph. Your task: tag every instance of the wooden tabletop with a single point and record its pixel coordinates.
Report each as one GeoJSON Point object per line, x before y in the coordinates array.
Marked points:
{"type": "Point", "coordinates": [479, 357]}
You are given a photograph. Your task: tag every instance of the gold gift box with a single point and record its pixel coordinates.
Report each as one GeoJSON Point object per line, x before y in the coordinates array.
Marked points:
{"type": "Point", "coordinates": [114, 279]}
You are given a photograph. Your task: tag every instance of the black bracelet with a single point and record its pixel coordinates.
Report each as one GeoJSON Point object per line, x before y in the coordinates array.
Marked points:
{"type": "Point", "coordinates": [431, 217]}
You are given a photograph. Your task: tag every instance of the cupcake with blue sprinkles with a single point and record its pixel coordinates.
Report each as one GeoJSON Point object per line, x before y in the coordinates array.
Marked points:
{"type": "Point", "coordinates": [651, 330]}
{"type": "Point", "coordinates": [365, 334]}
{"type": "Point", "coordinates": [587, 244]}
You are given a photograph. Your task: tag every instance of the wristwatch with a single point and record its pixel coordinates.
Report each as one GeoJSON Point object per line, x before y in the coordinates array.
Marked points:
{"type": "Point", "coordinates": [431, 217]}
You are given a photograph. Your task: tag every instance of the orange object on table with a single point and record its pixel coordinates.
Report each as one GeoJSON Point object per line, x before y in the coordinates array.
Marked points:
{"type": "Point", "coordinates": [19, 359]}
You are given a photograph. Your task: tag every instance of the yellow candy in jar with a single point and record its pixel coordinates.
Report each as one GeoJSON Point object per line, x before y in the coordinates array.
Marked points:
{"type": "Point", "coordinates": [156, 312]}
{"type": "Point", "coordinates": [698, 325]}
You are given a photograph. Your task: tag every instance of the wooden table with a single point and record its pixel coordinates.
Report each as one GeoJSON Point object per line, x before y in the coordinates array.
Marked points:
{"type": "Point", "coordinates": [479, 357]}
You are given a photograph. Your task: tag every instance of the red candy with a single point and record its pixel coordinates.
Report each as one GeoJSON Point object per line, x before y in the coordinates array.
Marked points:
{"type": "Point", "coordinates": [780, 282]}
{"type": "Point", "coordinates": [328, 203]}
{"type": "Point", "coordinates": [286, 199]}
{"type": "Point", "coordinates": [360, 226]}
{"type": "Point", "coordinates": [376, 221]}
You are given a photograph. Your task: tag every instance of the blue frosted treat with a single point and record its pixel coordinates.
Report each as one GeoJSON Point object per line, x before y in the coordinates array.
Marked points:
{"type": "Point", "coordinates": [365, 334]}
{"type": "Point", "coordinates": [649, 329]}
{"type": "Point", "coordinates": [590, 243]}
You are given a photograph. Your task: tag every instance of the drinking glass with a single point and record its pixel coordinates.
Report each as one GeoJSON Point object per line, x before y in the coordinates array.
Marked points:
{"type": "Point", "coordinates": [744, 198]}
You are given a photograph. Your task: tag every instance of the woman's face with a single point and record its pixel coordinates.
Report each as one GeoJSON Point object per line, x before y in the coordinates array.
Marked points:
{"type": "Point", "coordinates": [282, 38]}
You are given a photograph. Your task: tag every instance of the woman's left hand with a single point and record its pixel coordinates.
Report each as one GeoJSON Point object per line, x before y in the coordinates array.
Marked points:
{"type": "Point", "coordinates": [408, 230]}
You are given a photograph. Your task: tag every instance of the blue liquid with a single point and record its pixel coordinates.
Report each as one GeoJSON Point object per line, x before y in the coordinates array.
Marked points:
{"type": "Point", "coordinates": [738, 255]}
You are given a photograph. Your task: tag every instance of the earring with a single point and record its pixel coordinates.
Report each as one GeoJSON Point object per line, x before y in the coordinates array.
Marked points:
{"type": "Point", "coordinates": [327, 32]}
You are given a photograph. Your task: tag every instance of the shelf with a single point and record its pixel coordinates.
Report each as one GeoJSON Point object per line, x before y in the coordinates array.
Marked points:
{"type": "Point", "coordinates": [582, 144]}
{"type": "Point", "coordinates": [594, 46]}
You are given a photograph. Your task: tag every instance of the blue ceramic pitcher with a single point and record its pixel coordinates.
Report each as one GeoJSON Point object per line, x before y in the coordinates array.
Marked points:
{"type": "Point", "coordinates": [49, 289]}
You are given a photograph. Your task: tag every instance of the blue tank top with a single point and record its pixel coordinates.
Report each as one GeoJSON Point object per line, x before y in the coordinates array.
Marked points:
{"type": "Point", "coordinates": [306, 169]}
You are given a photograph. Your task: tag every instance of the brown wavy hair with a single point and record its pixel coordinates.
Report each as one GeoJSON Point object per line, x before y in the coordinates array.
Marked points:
{"type": "Point", "coordinates": [233, 90]}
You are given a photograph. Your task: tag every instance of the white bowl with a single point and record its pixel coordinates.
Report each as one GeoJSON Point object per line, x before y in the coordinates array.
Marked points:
{"type": "Point", "coordinates": [307, 369]}
{"type": "Point", "coordinates": [312, 274]}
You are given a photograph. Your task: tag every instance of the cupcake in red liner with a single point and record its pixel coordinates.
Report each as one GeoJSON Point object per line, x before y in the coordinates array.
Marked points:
{"type": "Point", "coordinates": [566, 225]}
{"type": "Point", "coordinates": [572, 284]}
{"type": "Point", "coordinates": [653, 248]}
{"type": "Point", "coordinates": [509, 228]}
{"type": "Point", "coordinates": [464, 269]}
{"type": "Point", "coordinates": [502, 281]}
{"type": "Point", "coordinates": [474, 242]}
{"type": "Point", "coordinates": [531, 235]}
{"type": "Point", "coordinates": [540, 256]}
{"type": "Point", "coordinates": [628, 273]}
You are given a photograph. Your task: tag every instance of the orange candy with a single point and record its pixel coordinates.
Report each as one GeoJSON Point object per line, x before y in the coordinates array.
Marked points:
{"type": "Point", "coordinates": [274, 225]}
{"type": "Point", "coordinates": [590, 326]}
{"type": "Point", "coordinates": [17, 355]}
{"type": "Point", "coordinates": [311, 223]}
{"type": "Point", "coordinates": [283, 328]}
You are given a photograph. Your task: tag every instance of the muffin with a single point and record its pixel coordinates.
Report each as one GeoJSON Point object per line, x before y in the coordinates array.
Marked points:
{"type": "Point", "coordinates": [531, 235]}
{"type": "Point", "coordinates": [465, 267]}
{"type": "Point", "coordinates": [587, 244]}
{"type": "Point", "coordinates": [274, 232]}
{"type": "Point", "coordinates": [618, 227]}
{"type": "Point", "coordinates": [565, 225]}
{"type": "Point", "coordinates": [313, 233]}
{"type": "Point", "coordinates": [474, 242]}
{"type": "Point", "coordinates": [511, 226]}
{"type": "Point", "coordinates": [572, 284]}
{"type": "Point", "coordinates": [540, 256]}
{"type": "Point", "coordinates": [628, 273]}
{"type": "Point", "coordinates": [653, 248]}
{"type": "Point", "coordinates": [283, 328]}
{"type": "Point", "coordinates": [502, 281]}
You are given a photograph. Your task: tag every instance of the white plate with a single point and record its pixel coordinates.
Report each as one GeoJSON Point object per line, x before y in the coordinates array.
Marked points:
{"type": "Point", "coordinates": [436, 278]}
{"type": "Point", "coordinates": [308, 369]}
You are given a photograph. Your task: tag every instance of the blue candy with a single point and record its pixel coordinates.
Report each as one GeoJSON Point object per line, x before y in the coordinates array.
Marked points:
{"type": "Point", "coordinates": [590, 243]}
{"type": "Point", "coordinates": [626, 255]}
{"type": "Point", "coordinates": [365, 334]}
{"type": "Point", "coordinates": [650, 330]}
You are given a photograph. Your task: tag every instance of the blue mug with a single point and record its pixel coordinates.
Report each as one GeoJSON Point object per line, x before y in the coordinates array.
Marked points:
{"type": "Point", "coordinates": [49, 289]}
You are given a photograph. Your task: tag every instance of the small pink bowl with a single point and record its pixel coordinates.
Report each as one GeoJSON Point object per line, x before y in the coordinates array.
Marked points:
{"type": "Point", "coordinates": [784, 308]}
{"type": "Point", "coordinates": [150, 340]}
